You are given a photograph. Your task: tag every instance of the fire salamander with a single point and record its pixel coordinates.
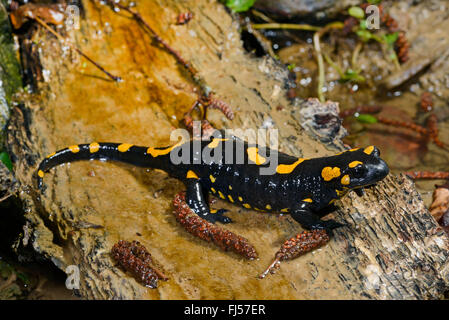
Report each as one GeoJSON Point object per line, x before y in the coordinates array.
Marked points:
{"type": "Point", "coordinates": [230, 169]}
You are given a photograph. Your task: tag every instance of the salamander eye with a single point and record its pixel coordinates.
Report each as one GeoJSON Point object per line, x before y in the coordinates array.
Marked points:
{"type": "Point", "coordinates": [359, 171]}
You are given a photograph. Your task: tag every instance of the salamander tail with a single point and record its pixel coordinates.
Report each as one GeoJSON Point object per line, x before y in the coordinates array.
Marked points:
{"type": "Point", "coordinates": [122, 152]}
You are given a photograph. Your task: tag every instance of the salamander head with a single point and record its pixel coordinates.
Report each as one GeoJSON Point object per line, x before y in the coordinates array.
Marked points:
{"type": "Point", "coordinates": [356, 168]}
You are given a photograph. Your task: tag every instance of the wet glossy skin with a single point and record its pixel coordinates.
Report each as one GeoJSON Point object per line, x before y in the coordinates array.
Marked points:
{"type": "Point", "coordinates": [296, 186]}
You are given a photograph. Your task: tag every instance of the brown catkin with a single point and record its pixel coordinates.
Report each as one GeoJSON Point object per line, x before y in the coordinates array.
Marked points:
{"type": "Point", "coordinates": [225, 239]}
{"type": "Point", "coordinates": [426, 102]}
{"type": "Point", "coordinates": [184, 18]}
{"type": "Point", "coordinates": [409, 125]}
{"type": "Point", "coordinates": [302, 243]}
{"type": "Point", "coordinates": [135, 259]}
{"type": "Point", "coordinates": [214, 103]}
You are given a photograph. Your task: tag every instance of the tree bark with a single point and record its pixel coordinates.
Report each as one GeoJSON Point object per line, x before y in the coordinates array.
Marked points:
{"type": "Point", "coordinates": [391, 248]}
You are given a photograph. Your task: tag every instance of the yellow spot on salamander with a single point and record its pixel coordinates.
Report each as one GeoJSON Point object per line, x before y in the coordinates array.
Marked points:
{"type": "Point", "coordinates": [350, 150]}
{"type": "Point", "coordinates": [213, 210]}
{"type": "Point", "coordinates": [51, 155]}
{"type": "Point", "coordinates": [288, 168]}
{"type": "Point", "coordinates": [247, 206]}
{"type": "Point", "coordinates": [221, 195]}
{"type": "Point", "coordinates": [74, 148]}
{"type": "Point", "coordinates": [215, 142]}
{"type": "Point", "coordinates": [240, 199]}
{"type": "Point", "coordinates": [94, 147]}
{"type": "Point", "coordinates": [212, 178]}
{"type": "Point", "coordinates": [124, 147]}
{"type": "Point", "coordinates": [191, 175]}
{"type": "Point", "coordinates": [308, 200]}
{"type": "Point", "coordinates": [230, 199]}
{"type": "Point", "coordinates": [345, 180]}
{"type": "Point", "coordinates": [284, 210]}
{"type": "Point", "coordinates": [329, 173]}
{"type": "Point", "coordinates": [268, 207]}
{"type": "Point", "coordinates": [354, 164]}
{"type": "Point", "coordinates": [161, 152]}
{"type": "Point", "coordinates": [230, 187]}
{"type": "Point", "coordinates": [213, 190]}
{"type": "Point", "coordinates": [369, 150]}
{"type": "Point", "coordinates": [40, 173]}
{"type": "Point", "coordinates": [254, 156]}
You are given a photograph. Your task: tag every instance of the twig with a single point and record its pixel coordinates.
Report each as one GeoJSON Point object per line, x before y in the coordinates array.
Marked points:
{"type": "Point", "coordinates": [291, 26]}
{"type": "Point", "coordinates": [362, 109]}
{"type": "Point", "coordinates": [187, 65]}
{"type": "Point", "coordinates": [316, 45]}
{"type": "Point", "coordinates": [427, 174]}
{"type": "Point", "coordinates": [61, 38]}
{"type": "Point", "coordinates": [355, 55]}
{"type": "Point", "coordinates": [269, 20]}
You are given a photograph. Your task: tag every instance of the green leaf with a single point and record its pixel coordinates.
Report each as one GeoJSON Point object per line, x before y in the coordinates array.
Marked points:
{"type": "Point", "coordinates": [23, 277]}
{"type": "Point", "coordinates": [352, 75]}
{"type": "Point", "coordinates": [366, 118]}
{"type": "Point", "coordinates": [364, 35]}
{"type": "Point", "coordinates": [4, 157]}
{"type": "Point", "coordinates": [374, 1]}
{"type": "Point", "coordinates": [391, 38]}
{"type": "Point", "coordinates": [362, 24]}
{"type": "Point", "coordinates": [5, 269]}
{"type": "Point", "coordinates": [239, 5]}
{"type": "Point", "coordinates": [356, 12]}
{"type": "Point", "coordinates": [291, 66]}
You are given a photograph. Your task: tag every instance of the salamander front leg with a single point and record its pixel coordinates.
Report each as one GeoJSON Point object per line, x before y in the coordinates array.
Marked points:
{"type": "Point", "coordinates": [196, 201]}
{"type": "Point", "coordinates": [318, 234]}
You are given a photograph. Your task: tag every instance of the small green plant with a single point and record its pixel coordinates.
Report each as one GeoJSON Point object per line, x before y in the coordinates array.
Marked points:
{"type": "Point", "coordinates": [352, 75]}
{"type": "Point", "coordinates": [356, 12]}
{"type": "Point", "coordinates": [239, 5]}
{"type": "Point", "coordinates": [366, 118]}
{"type": "Point", "coordinates": [365, 35]}
{"type": "Point", "coordinates": [4, 157]}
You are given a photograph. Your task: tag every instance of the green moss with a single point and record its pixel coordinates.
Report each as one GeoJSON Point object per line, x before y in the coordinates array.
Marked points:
{"type": "Point", "coordinates": [10, 78]}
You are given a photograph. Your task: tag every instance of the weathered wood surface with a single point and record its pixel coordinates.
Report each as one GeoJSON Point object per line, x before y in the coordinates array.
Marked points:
{"type": "Point", "coordinates": [391, 249]}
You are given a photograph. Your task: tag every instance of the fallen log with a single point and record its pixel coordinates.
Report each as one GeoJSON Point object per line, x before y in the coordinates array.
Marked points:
{"type": "Point", "coordinates": [391, 248]}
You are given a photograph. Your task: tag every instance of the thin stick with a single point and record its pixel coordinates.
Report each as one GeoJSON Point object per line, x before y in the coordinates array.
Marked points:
{"type": "Point", "coordinates": [316, 45]}
{"type": "Point", "coordinates": [427, 174]}
{"type": "Point", "coordinates": [355, 55]}
{"type": "Point", "coordinates": [269, 20]}
{"type": "Point", "coordinates": [156, 37]}
{"type": "Point", "coordinates": [292, 26]}
{"type": "Point", "coordinates": [61, 38]}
